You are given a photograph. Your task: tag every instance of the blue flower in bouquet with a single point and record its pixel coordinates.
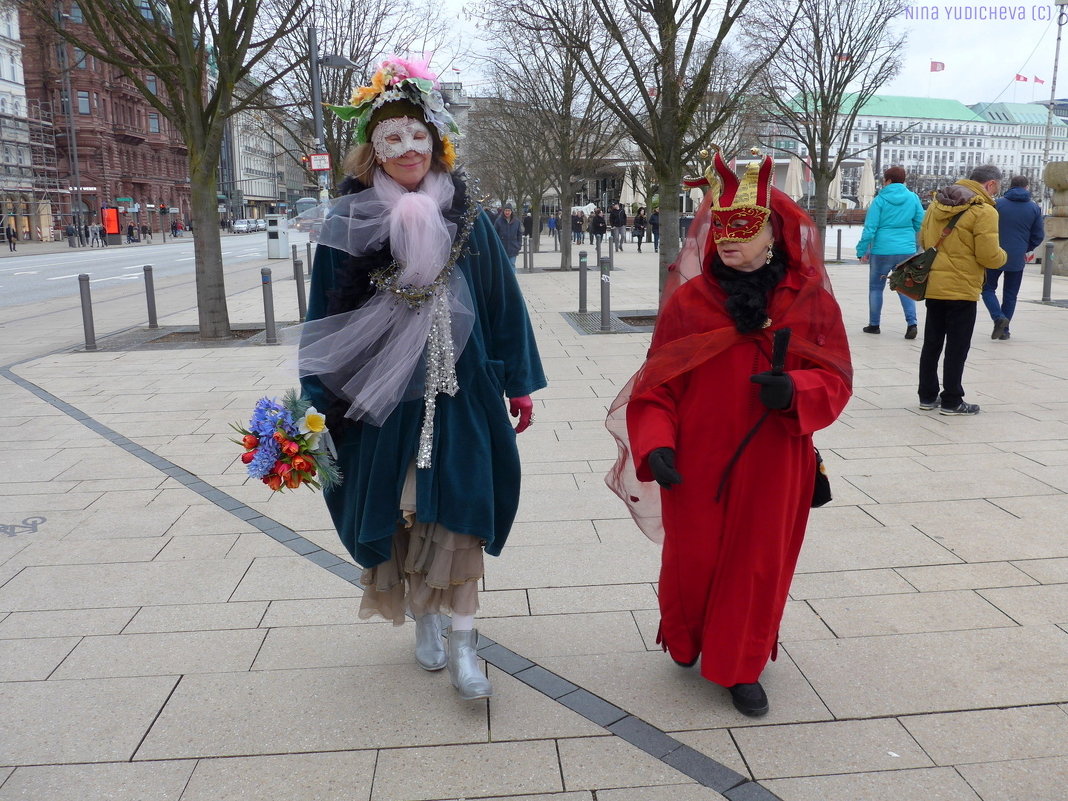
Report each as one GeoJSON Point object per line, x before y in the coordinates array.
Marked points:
{"type": "Point", "coordinates": [266, 455]}
{"type": "Point", "coordinates": [268, 415]}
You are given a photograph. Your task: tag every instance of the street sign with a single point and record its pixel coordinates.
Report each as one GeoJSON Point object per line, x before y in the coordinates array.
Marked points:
{"type": "Point", "coordinates": [319, 162]}
{"type": "Point", "coordinates": [124, 200]}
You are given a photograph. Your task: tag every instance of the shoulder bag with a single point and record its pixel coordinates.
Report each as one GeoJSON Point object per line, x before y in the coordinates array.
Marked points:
{"type": "Point", "coordinates": [909, 278]}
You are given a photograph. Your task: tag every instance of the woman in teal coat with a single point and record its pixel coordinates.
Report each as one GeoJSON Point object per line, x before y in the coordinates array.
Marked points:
{"type": "Point", "coordinates": [417, 333]}
{"type": "Point", "coordinates": [889, 237]}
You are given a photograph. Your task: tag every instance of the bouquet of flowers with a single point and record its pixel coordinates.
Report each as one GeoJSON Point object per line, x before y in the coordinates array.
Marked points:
{"type": "Point", "coordinates": [283, 446]}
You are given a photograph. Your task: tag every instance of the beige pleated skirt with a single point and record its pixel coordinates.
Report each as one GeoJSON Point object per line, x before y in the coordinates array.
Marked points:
{"type": "Point", "coordinates": [432, 569]}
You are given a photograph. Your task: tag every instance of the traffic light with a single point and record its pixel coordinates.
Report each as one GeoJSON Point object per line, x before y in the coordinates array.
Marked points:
{"type": "Point", "coordinates": [162, 208]}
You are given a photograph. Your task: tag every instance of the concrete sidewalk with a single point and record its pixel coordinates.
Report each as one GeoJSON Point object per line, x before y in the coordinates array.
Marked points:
{"type": "Point", "coordinates": [172, 631]}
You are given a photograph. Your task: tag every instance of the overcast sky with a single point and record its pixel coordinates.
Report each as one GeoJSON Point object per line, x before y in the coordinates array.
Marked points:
{"type": "Point", "coordinates": [984, 44]}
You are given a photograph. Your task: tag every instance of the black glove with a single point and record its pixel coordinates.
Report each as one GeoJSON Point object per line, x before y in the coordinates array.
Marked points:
{"type": "Point", "coordinates": [776, 391]}
{"type": "Point", "coordinates": [662, 465]}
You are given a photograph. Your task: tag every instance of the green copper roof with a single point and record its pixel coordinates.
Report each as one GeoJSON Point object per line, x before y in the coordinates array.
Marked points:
{"type": "Point", "coordinates": [923, 108]}
{"type": "Point", "coordinates": [1024, 113]}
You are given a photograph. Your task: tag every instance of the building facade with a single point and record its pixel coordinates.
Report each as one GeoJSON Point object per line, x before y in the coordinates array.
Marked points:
{"type": "Point", "coordinates": [113, 149]}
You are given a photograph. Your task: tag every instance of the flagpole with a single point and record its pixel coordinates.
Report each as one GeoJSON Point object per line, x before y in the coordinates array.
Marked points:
{"type": "Point", "coordinates": [1062, 17]}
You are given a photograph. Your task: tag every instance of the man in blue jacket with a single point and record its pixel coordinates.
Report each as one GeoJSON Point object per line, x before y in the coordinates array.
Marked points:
{"type": "Point", "coordinates": [889, 237]}
{"type": "Point", "coordinates": [1021, 230]}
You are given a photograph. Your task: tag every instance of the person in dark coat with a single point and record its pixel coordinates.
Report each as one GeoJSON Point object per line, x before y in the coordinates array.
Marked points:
{"type": "Point", "coordinates": [11, 235]}
{"type": "Point", "coordinates": [510, 231]}
{"type": "Point", "coordinates": [598, 227]}
{"type": "Point", "coordinates": [72, 235]}
{"type": "Point", "coordinates": [1020, 231]}
{"type": "Point", "coordinates": [641, 222]}
{"type": "Point", "coordinates": [528, 224]}
{"type": "Point", "coordinates": [617, 221]}
{"type": "Point", "coordinates": [417, 335]}
{"type": "Point", "coordinates": [654, 229]}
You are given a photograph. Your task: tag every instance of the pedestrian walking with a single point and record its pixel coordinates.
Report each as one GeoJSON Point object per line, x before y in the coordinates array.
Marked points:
{"type": "Point", "coordinates": [131, 232]}
{"type": "Point", "coordinates": [94, 235]}
{"type": "Point", "coordinates": [598, 228]}
{"type": "Point", "coordinates": [745, 364]}
{"type": "Point", "coordinates": [617, 220]}
{"type": "Point", "coordinates": [11, 235]}
{"type": "Point", "coordinates": [430, 482]}
{"type": "Point", "coordinates": [890, 227]}
{"type": "Point", "coordinates": [641, 223]}
{"type": "Point", "coordinates": [102, 231]}
{"type": "Point", "coordinates": [72, 235]}
{"type": "Point", "coordinates": [654, 228]}
{"type": "Point", "coordinates": [1020, 231]}
{"type": "Point", "coordinates": [577, 219]}
{"type": "Point", "coordinates": [956, 282]}
{"type": "Point", "coordinates": [554, 232]}
{"type": "Point", "coordinates": [146, 233]}
{"type": "Point", "coordinates": [510, 230]}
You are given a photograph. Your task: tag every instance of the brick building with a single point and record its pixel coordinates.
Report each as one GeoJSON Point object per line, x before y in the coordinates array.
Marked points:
{"type": "Point", "coordinates": [128, 156]}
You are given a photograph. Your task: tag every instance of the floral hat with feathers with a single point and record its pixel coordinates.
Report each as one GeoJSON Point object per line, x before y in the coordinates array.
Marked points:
{"type": "Point", "coordinates": [400, 79]}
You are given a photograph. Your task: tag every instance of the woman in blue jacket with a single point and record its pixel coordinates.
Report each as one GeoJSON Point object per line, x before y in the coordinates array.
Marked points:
{"type": "Point", "coordinates": [889, 237]}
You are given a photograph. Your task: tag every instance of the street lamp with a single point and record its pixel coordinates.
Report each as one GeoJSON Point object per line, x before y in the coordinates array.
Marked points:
{"type": "Point", "coordinates": [314, 64]}
{"type": "Point", "coordinates": [72, 139]}
{"type": "Point", "coordinates": [1062, 18]}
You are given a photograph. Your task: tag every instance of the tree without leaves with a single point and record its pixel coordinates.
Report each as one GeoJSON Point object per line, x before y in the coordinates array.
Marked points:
{"type": "Point", "coordinates": [364, 32]}
{"type": "Point", "coordinates": [199, 51]}
{"type": "Point", "coordinates": [567, 123]}
{"type": "Point", "coordinates": [652, 68]}
{"type": "Point", "coordinates": [835, 58]}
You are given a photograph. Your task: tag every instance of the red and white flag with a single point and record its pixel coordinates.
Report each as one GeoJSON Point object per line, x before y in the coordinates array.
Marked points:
{"type": "Point", "coordinates": [937, 66]}
{"type": "Point", "coordinates": [1021, 78]}
{"type": "Point", "coordinates": [1038, 80]}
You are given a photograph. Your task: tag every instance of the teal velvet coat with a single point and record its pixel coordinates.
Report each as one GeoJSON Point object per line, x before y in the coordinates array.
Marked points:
{"type": "Point", "coordinates": [472, 486]}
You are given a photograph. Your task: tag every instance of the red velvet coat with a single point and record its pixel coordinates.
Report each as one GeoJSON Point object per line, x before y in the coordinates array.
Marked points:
{"type": "Point", "coordinates": [727, 564]}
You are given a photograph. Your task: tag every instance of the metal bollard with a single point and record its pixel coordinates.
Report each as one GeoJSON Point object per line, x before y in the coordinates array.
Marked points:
{"type": "Point", "coordinates": [308, 245]}
{"type": "Point", "coordinates": [597, 244]}
{"type": "Point", "coordinates": [528, 255]}
{"type": "Point", "coordinates": [583, 266]}
{"type": "Point", "coordinates": [1047, 274]}
{"type": "Point", "coordinates": [302, 299]}
{"type": "Point", "coordinates": [294, 258]}
{"type": "Point", "coordinates": [839, 256]}
{"type": "Point", "coordinates": [150, 295]}
{"type": "Point", "coordinates": [268, 306]}
{"type": "Point", "coordinates": [606, 293]}
{"type": "Point", "coordinates": [87, 312]}
{"type": "Point", "coordinates": [611, 253]}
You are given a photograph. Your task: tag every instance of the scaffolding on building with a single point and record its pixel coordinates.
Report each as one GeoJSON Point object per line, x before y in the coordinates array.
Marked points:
{"type": "Point", "coordinates": [32, 195]}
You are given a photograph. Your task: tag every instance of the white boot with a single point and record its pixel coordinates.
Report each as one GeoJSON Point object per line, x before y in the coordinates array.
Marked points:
{"type": "Point", "coordinates": [429, 646]}
{"type": "Point", "coordinates": [464, 671]}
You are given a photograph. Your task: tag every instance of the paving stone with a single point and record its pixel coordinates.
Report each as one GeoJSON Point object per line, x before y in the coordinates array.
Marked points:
{"type": "Point", "coordinates": [65, 623]}
{"type": "Point", "coordinates": [935, 672]}
{"type": "Point", "coordinates": [88, 553]}
{"type": "Point", "coordinates": [716, 744]}
{"type": "Point", "coordinates": [519, 712]}
{"type": "Point", "coordinates": [460, 771]}
{"type": "Point", "coordinates": [94, 720]}
{"type": "Point", "coordinates": [601, 763]}
{"type": "Point", "coordinates": [145, 781]}
{"type": "Point", "coordinates": [316, 612]}
{"type": "Point", "coordinates": [870, 548]}
{"type": "Point", "coordinates": [197, 617]}
{"type": "Point", "coordinates": [204, 547]}
{"type": "Point", "coordinates": [308, 777]}
{"type": "Point", "coordinates": [909, 613]}
{"type": "Point", "coordinates": [336, 646]}
{"type": "Point", "coordinates": [943, 784]}
{"type": "Point", "coordinates": [545, 681]}
{"type": "Point", "coordinates": [813, 749]}
{"type": "Point", "coordinates": [294, 711]}
{"type": "Point", "coordinates": [699, 767]}
{"type": "Point", "coordinates": [845, 583]}
{"type": "Point", "coordinates": [170, 653]}
{"type": "Point", "coordinates": [33, 660]}
{"type": "Point", "coordinates": [133, 584]}
{"type": "Point", "coordinates": [669, 792]}
{"type": "Point", "coordinates": [563, 635]}
{"type": "Point", "coordinates": [1010, 781]}
{"type": "Point", "coordinates": [800, 622]}
{"type": "Point", "coordinates": [599, 598]}
{"type": "Point", "coordinates": [1045, 571]}
{"type": "Point", "coordinates": [1030, 605]}
{"type": "Point", "coordinates": [965, 577]}
{"type": "Point", "coordinates": [991, 735]}
{"type": "Point", "coordinates": [276, 579]}
{"type": "Point", "coordinates": [575, 565]}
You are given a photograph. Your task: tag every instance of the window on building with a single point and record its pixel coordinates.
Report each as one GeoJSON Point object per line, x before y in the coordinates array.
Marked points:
{"type": "Point", "coordinates": [76, 13]}
{"type": "Point", "coordinates": [3, 105]}
{"type": "Point", "coordinates": [83, 102]}
{"type": "Point", "coordinates": [79, 58]}
{"type": "Point", "coordinates": [153, 122]}
{"type": "Point", "coordinates": [150, 82]}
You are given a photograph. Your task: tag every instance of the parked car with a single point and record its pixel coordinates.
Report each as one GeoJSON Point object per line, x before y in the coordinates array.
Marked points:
{"type": "Point", "coordinates": [261, 224]}
{"type": "Point", "coordinates": [242, 226]}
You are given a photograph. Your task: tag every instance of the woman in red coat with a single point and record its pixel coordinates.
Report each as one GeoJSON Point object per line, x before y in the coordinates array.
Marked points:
{"type": "Point", "coordinates": [726, 433]}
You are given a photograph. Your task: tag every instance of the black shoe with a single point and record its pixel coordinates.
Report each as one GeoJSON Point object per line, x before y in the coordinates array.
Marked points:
{"type": "Point", "coordinates": [963, 408]}
{"type": "Point", "coordinates": [750, 699]}
{"type": "Point", "coordinates": [871, 329]}
{"type": "Point", "coordinates": [910, 332]}
{"type": "Point", "coordinates": [1005, 336]}
{"type": "Point", "coordinates": [1001, 325]}
{"type": "Point", "coordinates": [686, 664]}
{"type": "Point", "coordinates": [928, 405]}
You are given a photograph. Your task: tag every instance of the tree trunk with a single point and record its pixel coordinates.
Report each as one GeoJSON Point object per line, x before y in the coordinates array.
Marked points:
{"type": "Point", "coordinates": [211, 290]}
{"type": "Point", "coordinates": [819, 204]}
{"type": "Point", "coordinates": [565, 221]}
{"type": "Point", "coordinates": [670, 178]}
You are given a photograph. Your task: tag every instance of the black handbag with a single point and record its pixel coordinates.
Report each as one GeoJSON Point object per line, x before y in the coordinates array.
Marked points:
{"type": "Point", "coordinates": [909, 278]}
{"type": "Point", "coordinates": [821, 490]}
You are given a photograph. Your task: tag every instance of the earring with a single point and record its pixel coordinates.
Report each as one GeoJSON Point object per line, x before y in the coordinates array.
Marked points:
{"type": "Point", "coordinates": [770, 254]}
